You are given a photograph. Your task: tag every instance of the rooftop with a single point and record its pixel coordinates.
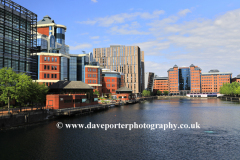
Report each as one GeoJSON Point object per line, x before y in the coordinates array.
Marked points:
{"type": "Point", "coordinates": [70, 85]}
{"type": "Point", "coordinates": [46, 20]}
{"type": "Point", "coordinates": [123, 89]}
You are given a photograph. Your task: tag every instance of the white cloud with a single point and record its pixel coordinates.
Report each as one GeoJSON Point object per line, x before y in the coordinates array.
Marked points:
{"type": "Point", "coordinates": [127, 29]}
{"type": "Point", "coordinates": [94, 37]}
{"type": "Point", "coordinates": [204, 42]}
{"type": "Point", "coordinates": [80, 46]}
{"type": "Point", "coordinates": [184, 12]}
{"type": "Point", "coordinates": [122, 18]}
{"type": "Point", "coordinates": [95, 1]}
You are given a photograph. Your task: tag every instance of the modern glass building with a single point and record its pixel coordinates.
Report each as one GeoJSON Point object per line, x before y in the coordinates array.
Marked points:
{"type": "Point", "coordinates": [18, 38]}
{"type": "Point", "coordinates": [64, 68]}
{"type": "Point", "coordinates": [184, 78]}
{"type": "Point", "coordinates": [77, 64]}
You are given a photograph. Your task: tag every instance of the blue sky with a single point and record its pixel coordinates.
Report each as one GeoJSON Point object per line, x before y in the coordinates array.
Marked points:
{"type": "Point", "coordinates": [183, 32]}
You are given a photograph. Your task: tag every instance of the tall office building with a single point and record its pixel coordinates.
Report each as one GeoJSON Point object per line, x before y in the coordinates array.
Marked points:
{"type": "Point", "coordinates": [52, 52]}
{"type": "Point", "coordinates": [149, 79]}
{"type": "Point", "coordinates": [126, 59]}
{"type": "Point", "coordinates": [18, 37]}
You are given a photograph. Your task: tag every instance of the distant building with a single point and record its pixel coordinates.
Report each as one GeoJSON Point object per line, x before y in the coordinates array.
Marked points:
{"type": "Point", "coordinates": [111, 81]}
{"type": "Point", "coordinates": [18, 38]}
{"type": "Point", "coordinates": [149, 79]}
{"type": "Point", "coordinates": [128, 60]}
{"type": "Point", "coordinates": [236, 79]}
{"type": "Point", "coordinates": [93, 77]}
{"type": "Point", "coordinates": [77, 65]}
{"type": "Point", "coordinates": [213, 80]}
{"type": "Point", "coordinates": [184, 80]}
{"type": "Point", "coordinates": [173, 80]}
{"type": "Point", "coordinates": [160, 84]}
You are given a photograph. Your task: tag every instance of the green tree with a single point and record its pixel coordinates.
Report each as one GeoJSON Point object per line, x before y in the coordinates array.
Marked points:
{"type": "Point", "coordinates": [146, 93]}
{"type": "Point", "coordinates": [8, 82]}
{"type": "Point", "coordinates": [159, 92]}
{"type": "Point", "coordinates": [23, 94]}
{"type": "Point", "coordinates": [165, 92]}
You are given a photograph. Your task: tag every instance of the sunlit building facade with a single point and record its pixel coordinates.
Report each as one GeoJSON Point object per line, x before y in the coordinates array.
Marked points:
{"type": "Point", "coordinates": [213, 80]}
{"type": "Point", "coordinates": [128, 60]}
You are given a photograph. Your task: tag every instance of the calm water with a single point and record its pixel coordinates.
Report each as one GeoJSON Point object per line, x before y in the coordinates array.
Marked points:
{"type": "Point", "coordinates": [218, 137]}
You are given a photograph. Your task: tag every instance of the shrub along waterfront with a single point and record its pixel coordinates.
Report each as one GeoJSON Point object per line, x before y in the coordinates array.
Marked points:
{"type": "Point", "coordinates": [20, 87]}
{"type": "Point", "coordinates": [231, 89]}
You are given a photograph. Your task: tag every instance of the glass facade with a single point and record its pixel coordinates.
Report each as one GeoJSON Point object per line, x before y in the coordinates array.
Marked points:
{"type": "Point", "coordinates": [60, 35]}
{"type": "Point", "coordinates": [73, 69]}
{"type": "Point", "coordinates": [184, 78]}
{"type": "Point", "coordinates": [64, 68]}
{"type": "Point", "coordinates": [16, 38]}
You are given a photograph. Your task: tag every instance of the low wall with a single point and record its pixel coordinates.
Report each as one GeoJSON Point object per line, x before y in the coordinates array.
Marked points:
{"type": "Point", "coordinates": [22, 119]}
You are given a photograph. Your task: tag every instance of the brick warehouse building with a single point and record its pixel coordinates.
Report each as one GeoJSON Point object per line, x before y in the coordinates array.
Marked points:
{"type": "Point", "coordinates": [128, 60]}
{"type": "Point", "coordinates": [18, 38]}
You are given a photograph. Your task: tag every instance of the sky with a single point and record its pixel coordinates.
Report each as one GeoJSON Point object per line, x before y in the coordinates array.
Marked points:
{"type": "Point", "coordinates": [205, 33]}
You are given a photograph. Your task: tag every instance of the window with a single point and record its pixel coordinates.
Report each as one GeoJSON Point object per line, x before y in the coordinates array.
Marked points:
{"type": "Point", "coordinates": [47, 84]}
{"type": "Point", "coordinates": [55, 59]}
{"type": "Point", "coordinates": [55, 67]}
{"type": "Point", "coordinates": [52, 59]}
{"type": "Point", "coordinates": [45, 66]}
{"type": "Point", "coordinates": [52, 67]}
{"type": "Point", "coordinates": [113, 85]}
{"type": "Point", "coordinates": [113, 80]}
{"type": "Point", "coordinates": [90, 69]}
{"type": "Point", "coordinates": [48, 67]}
{"type": "Point", "coordinates": [45, 58]}
{"type": "Point", "coordinates": [52, 76]}
{"type": "Point", "coordinates": [48, 58]}
{"type": "Point", "coordinates": [44, 75]}
{"type": "Point", "coordinates": [47, 75]}
{"type": "Point", "coordinates": [55, 75]}
{"type": "Point", "coordinates": [90, 81]}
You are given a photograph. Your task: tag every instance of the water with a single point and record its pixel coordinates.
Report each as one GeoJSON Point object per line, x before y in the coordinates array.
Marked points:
{"type": "Point", "coordinates": [217, 138]}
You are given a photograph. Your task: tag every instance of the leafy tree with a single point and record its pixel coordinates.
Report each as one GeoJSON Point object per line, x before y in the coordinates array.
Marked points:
{"type": "Point", "coordinates": [23, 94]}
{"type": "Point", "coordinates": [146, 93]}
{"type": "Point", "coordinates": [8, 82]}
{"type": "Point", "coordinates": [159, 92]}
{"type": "Point", "coordinates": [165, 92]}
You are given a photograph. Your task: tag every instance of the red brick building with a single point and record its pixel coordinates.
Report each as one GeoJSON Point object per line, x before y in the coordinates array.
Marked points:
{"type": "Point", "coordinates": [125, 94]}
{"type": "Point", "coordinates": [93, 77]}
{"type": "Point", "coordinates": [65, 94]}
{"type": "Point", "coordinates": [49, 68]}
{"type": "Point", "coordinates": [195, 75]}
{"type": "Point", "coordinates": [111, 81]}
{"type": "Point", "coordinates": [213, 80]}
{"type": "Point", "coordinates": [173, 80]}
{"type": "Point", "coordinates": [161, 84]}
{"type": "Point", "coordinates": [236, 79]}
